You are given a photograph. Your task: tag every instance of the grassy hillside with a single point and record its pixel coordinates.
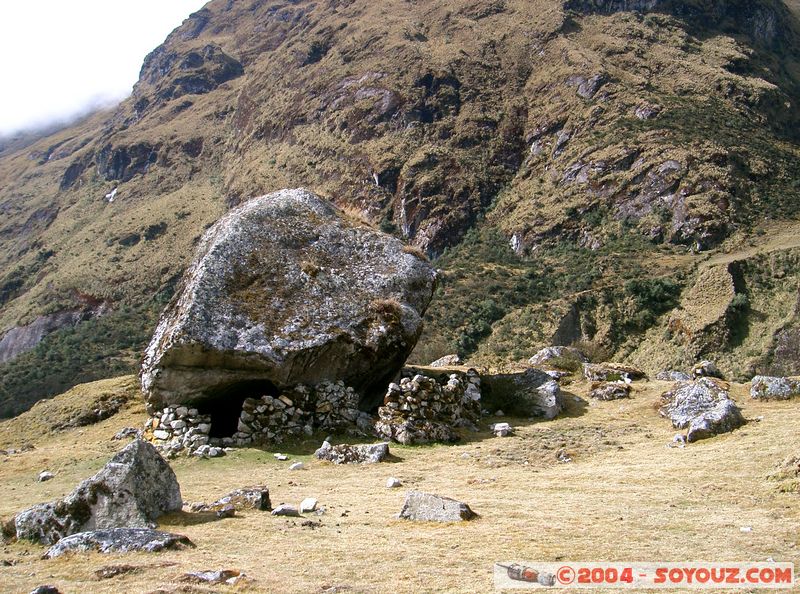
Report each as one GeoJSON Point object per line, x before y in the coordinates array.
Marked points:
{"type": "Point", "coordinates": [550, 155]}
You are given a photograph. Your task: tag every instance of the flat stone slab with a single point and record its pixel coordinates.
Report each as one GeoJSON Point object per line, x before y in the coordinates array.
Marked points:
{"type": "Point", "coordinates": [120, 540]}
{"type": "Point", "coordinates": [426, 507]}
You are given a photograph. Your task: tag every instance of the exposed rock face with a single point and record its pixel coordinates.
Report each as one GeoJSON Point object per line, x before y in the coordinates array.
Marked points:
{"type": "Point", "coordinates": [774, 388]}
{"type": "Point", "coordinates": [424, 507]}
{"type": "Point", "coordinates": [285, 290]}
{"type": "Point", "coordinates": [132, 490]}
{"type": "Point", "coordinates": [764, 22]}
{"type": "Point", "coordinates": [119, 540]}
{"type": "Point", "coordinates": [532, 393]}
{"type": "Point", "coordinates": [353, 454]}
{"type": "Point", "coordinates": [558, 355]}
{"type": "Point", "coordinates": [21, 339]}
{"type": "Point", "coordinates": [423, 410]}
{"type": "Point", "coordinates": [702, 406]}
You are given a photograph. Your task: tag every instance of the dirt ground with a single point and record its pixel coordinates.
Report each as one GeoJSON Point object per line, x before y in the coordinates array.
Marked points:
{"type": "Point", "coordinates": [624, 496]}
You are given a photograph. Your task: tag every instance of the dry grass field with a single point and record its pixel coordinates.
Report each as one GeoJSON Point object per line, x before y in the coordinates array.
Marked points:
{"type": "Point", "coordinates": [625, 496]}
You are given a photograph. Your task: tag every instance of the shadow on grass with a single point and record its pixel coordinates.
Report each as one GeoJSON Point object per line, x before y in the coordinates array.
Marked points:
{"type": "Point", "coordinates": [184, 518]}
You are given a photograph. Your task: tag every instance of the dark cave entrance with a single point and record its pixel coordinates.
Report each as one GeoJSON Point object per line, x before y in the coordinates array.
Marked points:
{"type": "Point", "coordinates": [224, 404]}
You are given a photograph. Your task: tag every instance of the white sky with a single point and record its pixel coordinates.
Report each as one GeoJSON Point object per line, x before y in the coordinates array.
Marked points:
{"type": "Point", "coordinates": [60, 57]}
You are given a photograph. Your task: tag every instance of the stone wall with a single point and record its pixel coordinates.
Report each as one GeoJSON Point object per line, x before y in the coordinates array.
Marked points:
{"type": "Point", "coordinates": [268, 419]}
{"type": "Point", "coordinates": [421, 410]}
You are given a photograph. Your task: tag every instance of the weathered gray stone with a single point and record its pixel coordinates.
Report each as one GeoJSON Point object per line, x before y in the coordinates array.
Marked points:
{"type": "Point", "coordinates": [558, 355]}
{"type": "Point", "coordinates": [612, 372]}
{"type": "Point", "coordinates": [703, 407]}
{"type": "Point", "coordinates": [308, 505]}
{"type": "Point", "coordinates": [245, 498]}
{"type": "Point", "coordinates": [610, 391]}
{"type": "Point", "coordinates": [119, 540]}
{"type": "Point", "coordinates": [673, 376]}
{"type": "Point", "coordinates": [132, 490]}
{"type": "Point", "coordinates": [426, 507]}
{"type": "Point", "coordinates": [393, 483]}
{"type": "Point", "coordinates": [502, 430]}
{"type": "Point", "coordinates": [447, 361]}
{"type": "Point", "coordinates": [286, 289]}
{"type": "Point", "coordinates": [353, 454]}
{"type": "Point", "coordinates": [774, 388]}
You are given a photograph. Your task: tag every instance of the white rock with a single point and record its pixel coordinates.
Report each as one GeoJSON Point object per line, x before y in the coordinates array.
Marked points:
{"type": "Point", "coordinates": [297, 466]}
{"type": "Point", "coordinates": [499, 413]}
{"type": "Point", "coordinates": [746, 529]}
{"type": "Point", "coordinates": [393, 483]}
{"type": "Point", "coordinates": [182, 411]}
{"type": "Point", "coordinates": [282, 457]}
{"type": "Point", "coordinates": [178, 424]}
{"type": "Point", "coordinates": [45, 475]}
{"type": "Point", "coordinates": [309, 504]}
{"type": "Point", "coordinates": [204, 428]}
{"type": "Point", "coordinates": [162, 435]}
{"type": "Point", "coordinates": [502, 429]}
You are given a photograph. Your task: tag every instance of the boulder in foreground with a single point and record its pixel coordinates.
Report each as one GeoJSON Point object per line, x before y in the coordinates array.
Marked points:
{"type": "Point", "coordinates": [119, 540]}
{"type": "Point", "coordinates": [132, 490]}
{"type": "Point", "coordinates": [287, 290]}
{"type": "Point", "coordinates": [425, 507]}
{"type": "Point", "coordinates": [703, 407]}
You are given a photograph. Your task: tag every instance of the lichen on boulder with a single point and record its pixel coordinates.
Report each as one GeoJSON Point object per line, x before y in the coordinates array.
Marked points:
{"type": "Point", "coordinates": [287, 290]}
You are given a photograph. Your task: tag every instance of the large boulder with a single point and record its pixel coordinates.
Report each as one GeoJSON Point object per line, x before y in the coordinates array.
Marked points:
{"type": "Point", "coordinates": [764, 387]}
{"type": "Point", "coordinates": [703, 407]}
{"type": "Point", "coordinates": [132, 490]}
{"type": "Point", "coordinates": [287, 290]}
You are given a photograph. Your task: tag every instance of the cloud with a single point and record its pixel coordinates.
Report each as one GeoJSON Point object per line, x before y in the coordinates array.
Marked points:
{"type": "Point", "coordinates": [64, 57]}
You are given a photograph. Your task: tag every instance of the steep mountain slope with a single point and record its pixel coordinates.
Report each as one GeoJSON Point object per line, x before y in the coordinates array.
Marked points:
{"type": "Point", "coordinates": [568, 160]}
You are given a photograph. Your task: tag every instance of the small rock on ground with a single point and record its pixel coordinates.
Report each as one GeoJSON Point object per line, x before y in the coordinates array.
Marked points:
{"type": "Point", "coordinates": [286, 510]}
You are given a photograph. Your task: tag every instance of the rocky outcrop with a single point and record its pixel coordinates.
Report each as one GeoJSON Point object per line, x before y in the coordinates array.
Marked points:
{"type": "Point", "coordinates": [119, 540]}
{"type": "Point", "coordinates": [420, 409]}
{"type": "Point", "coordinates": [353, 454]}
{"type": "Point", "coordinates": [286, 290]}
{"type": "Point", "coordinates": [703, 407]}
{"type": "Point", "coordinates": [774, 388]}
{"type": "Point", "coordinates": [447, 361]}
{"type": "Point", "coordinates": [425, 507]}
{"type": "Point", "coordinates": [561, 357]}
{"type": "Point", "coordinates": [612, 372]}
{"type": "Point", "coordinates": [765, 22]}
{"type": "Point", "coordinates": [22, 339]}
{"type": "Point", "coordinates": [170, 74]}
{"type": "Point", "coordinates": [132, 490]}
{"type": "Point", "coordinates": [531, 393]}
